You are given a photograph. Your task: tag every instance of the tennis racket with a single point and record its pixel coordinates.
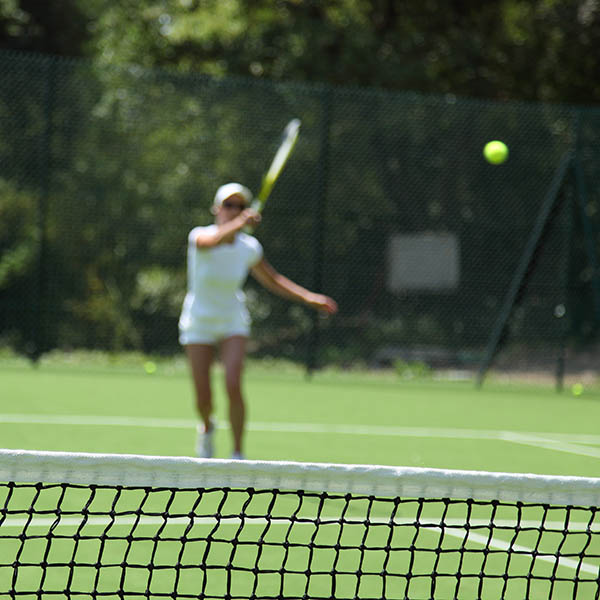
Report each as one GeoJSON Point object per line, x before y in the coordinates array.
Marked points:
{"type": "Point", "coordinates": [288, 141]}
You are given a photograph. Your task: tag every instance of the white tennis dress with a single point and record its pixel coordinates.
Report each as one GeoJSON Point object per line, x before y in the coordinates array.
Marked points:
{"type": "Point", "coordinates": [215, 305]}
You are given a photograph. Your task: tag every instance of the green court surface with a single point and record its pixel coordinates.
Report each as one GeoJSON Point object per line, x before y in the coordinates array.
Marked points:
{"type": "Point", "coordinates": [339, 418]}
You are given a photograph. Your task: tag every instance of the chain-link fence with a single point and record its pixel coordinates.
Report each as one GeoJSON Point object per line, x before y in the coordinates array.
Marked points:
{"type": "Point", "coordinates": [387, 205]}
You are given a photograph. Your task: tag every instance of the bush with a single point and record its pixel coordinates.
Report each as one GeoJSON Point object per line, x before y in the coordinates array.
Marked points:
{"type": "Point", "coordinates": [412, 370]}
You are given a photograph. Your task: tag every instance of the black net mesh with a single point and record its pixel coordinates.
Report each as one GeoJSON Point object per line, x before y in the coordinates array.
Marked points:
{"type": "Point", "coordinates": [74, 541]}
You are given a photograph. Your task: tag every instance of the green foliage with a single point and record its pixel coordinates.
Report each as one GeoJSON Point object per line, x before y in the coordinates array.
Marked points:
{"type": "Point", "coordinates": [140, 137]}
{"type": "Point", "coordinates": [101, 318]}
{"type": "Point", "coordinates": [412, 370]}
{"type": "Point", "coordinates": [158, 290]}
{"type": "Point", "coordinates": [18, 234]}
{"type": "Point", "coordinates": [503, 49]}
{"type": "Point", "coordinates": [480, 49]}
{"type": "Point", "coordinates": [51, 27]}
{"type": "Point", "coordinates": [123, 174]}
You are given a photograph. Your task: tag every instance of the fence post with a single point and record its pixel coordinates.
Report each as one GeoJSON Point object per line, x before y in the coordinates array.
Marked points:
{"type": "Point", "coordinates": [590, 245]}
{"type": "Point", "coordinates": [522, 271]}
{"type": "Point", "coordinates": [319, 229]}
{"type": "Point", "coordinates": [39, 342]}
{"type": "Point", "coordinates": [562, 311]}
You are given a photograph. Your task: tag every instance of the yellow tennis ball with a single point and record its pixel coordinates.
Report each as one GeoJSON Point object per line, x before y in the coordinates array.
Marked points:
{"type": "Point", "coordinates": [495, 152]}
{"type": "Point", "coordinates": [577, 389]}
{"type": "Point", "coordinates": [150, 367]}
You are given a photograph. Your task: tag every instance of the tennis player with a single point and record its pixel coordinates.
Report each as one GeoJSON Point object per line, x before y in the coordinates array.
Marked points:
{"type": "Point", "coordinates": [214, 312]}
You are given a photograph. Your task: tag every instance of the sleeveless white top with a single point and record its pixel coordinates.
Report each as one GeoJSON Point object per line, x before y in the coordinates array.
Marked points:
{"type": "Point", "coordinates": [216, 276]}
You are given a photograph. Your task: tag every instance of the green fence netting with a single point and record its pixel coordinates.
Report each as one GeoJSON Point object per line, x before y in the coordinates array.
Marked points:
{"type": "Point", "coordinates": [387, 205]}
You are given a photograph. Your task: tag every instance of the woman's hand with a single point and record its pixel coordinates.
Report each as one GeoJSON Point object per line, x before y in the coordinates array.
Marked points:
{"type": "Point", "coordinates": [249, 218]}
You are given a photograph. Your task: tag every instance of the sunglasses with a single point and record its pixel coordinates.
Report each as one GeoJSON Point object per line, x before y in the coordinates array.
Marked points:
{"type": "Point", "coordinates": [233, 205]}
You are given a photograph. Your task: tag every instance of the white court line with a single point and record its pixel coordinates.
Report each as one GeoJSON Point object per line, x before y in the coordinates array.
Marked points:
{"type": "Point", "coordinates": [144, 520]}
{"type": "Point", "coordinates": [549, 444]}
{"type": "Point", "coordinates": [451, 527]}
{"type": "Point", "coordinates": [483, 540]}
{"type": "Point", "coordinates": [375, 430]}
{"type": "Point", "coordinates": [559, 442]}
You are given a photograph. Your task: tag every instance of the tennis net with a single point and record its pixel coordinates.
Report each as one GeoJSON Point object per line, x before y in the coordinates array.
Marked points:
{"type": "Point", "coordinates": [122, 526]}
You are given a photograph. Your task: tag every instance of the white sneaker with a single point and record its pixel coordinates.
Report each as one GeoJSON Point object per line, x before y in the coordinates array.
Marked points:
{"type": "Point", "coordinates": [237, 456]}
{"type": "Point", "coordinates": [205, 447]}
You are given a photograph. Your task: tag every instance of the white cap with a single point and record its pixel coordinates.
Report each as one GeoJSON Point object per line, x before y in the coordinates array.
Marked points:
{"type": "Point", "coordinates": [228, 190]}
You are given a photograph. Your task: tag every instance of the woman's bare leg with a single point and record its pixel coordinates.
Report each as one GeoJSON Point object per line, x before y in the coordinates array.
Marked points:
{"type": "Point", "coordinates": [200, 357]}
{"type": "Point", "coordinates": [233, 352]}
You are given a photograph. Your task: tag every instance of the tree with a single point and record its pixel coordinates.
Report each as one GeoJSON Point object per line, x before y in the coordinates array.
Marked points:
{"type": "Point", "coordinates": [121, 153]}
{"type": "Point", "coordinates": [48, 27]}
{"type": "Point", "coordinates": [505, 49]}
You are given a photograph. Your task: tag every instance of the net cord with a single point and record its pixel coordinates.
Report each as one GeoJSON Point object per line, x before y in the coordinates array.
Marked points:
{"type": "Point", "coordinates": [28, 466]}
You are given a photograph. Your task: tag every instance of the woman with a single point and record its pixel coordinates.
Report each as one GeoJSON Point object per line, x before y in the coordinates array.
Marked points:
{"type": "Point", "coordinates": [214, 311]}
